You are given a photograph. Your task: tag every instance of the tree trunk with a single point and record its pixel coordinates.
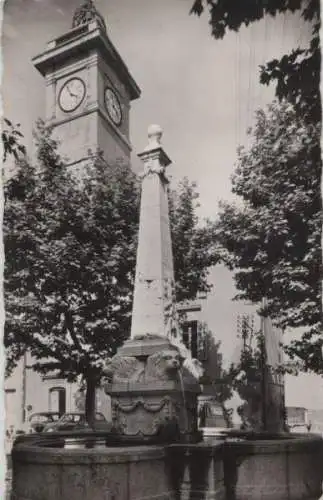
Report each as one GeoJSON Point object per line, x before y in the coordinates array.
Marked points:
{"type": "Point", "coordinates": [90, 401]}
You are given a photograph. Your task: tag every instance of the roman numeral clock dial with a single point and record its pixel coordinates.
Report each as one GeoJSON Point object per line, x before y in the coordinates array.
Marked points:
{"type": "Point", "coordinates": [113, 106]}
{"type": "Point", "coordinates": [71, 94]}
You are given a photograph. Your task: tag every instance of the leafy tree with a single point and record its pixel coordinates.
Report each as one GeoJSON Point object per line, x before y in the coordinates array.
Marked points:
{"type": "Point", "coordinates": [297, 79]}
{"type": "Point", "coordinates": [216, 381]}
{"type": "Point", "coordinates": [70, 255]}
{"type": "Point", "coordinates": [192, 242]}
{"type": "Point", "coordinates": [272, 240]}
{"type": "Point", "coordinates": [247, 378]}
{"type": "Point", "coordinates": [255, 381]}
{"type": "Point", "coordinates": [297, 75]}
{"type": "Point", "coordinates": [70, 249]}
{"type": "Point", "coordinates": [11, 137]}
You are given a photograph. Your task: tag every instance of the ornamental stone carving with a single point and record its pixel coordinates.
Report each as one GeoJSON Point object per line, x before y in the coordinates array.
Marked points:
{"type": "Point", "coordinates": [87, 13]}
{"type": "Point", "coordinates": [162, 366]}
{"type": "Point", "coordinates": [151, 168]}
{"type": "Point", "coordinates": [121, 369]}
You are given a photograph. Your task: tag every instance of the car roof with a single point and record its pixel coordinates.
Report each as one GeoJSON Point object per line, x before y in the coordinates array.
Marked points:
{"type": "Point", "coordinates": [44, 413]}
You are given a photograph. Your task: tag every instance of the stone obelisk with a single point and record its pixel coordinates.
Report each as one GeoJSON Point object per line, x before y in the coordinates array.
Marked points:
{"type": "Point", "coordinates": [149, 383]}
{"type": "Point", "coordinates": [154, 271]}
{"type": "Point", "coordinates": [154, 310]}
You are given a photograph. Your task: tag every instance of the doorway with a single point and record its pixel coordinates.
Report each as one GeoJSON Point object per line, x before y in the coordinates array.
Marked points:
{"type": "Point", "coordinates": [57, 399]}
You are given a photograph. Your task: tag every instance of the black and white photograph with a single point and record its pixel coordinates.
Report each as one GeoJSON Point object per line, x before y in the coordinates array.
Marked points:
{"type": "Point", "coordinates": [161, 227]}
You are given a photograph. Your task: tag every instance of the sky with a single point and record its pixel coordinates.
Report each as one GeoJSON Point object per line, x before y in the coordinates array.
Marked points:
{"type": "Point", "coordinates": [203, 92]}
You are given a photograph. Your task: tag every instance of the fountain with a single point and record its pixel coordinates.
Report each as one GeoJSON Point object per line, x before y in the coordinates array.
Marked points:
{"type": "Point", "coordinates": [157, 451]}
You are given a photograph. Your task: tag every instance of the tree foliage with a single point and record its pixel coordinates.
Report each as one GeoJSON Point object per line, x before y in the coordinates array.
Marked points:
{"type": "Point", "coordinates": [70, 248]}
{"type": "Point", "coordinates": [296, 75]}
{"type": "Point", "coordinates": [70, 256]}
{"type": "Point", "coordinates": [247, 377]}
{"type": "Point", "coordinates": [250, 378]}
{"type": "Point", "coordinates": [11, 140]}
{"type": "Point", "coordinates": [192, 242]}
{"type": "Point", "coordinates": [272, 240]}
{"type": "Point", "coordinates": [242, 378]}
{"type": "Point", "coordinates": [216, 380]}
{"type": "Point", "coordinates": [290, 173]}
{"type": "Point", "coordinates": [226, 15]}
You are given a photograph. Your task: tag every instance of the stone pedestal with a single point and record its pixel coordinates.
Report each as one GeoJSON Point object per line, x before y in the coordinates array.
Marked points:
{"type": "Point", "coordinates": [152, 394]}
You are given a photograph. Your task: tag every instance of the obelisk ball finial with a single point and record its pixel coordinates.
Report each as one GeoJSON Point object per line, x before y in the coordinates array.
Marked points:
{"type": "Point", "coordinates": [155, 133]}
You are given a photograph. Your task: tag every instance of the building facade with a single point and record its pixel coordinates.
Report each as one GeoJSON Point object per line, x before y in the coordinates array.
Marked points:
{"type": "Point", "coordinates": [27, 392]}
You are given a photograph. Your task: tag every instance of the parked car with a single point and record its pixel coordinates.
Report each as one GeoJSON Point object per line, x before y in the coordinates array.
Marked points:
{"type": "Point", "coordinates": [37, 421]}
{"type": "Point", "coordinates": [76, 421]}
{"type": "Point", "coordinates": [300, 428]}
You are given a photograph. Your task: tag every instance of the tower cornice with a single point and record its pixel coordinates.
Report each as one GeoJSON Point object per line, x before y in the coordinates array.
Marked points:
{"type": "Point", "coordinates": [82, 39]}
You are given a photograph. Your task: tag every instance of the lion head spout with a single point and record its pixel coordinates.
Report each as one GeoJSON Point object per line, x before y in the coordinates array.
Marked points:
{"type": "Point", "coordinates": [163, 365]}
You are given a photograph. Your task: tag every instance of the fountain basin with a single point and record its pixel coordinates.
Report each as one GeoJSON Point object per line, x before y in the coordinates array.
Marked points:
{"type": "Point", "coordinates": [44, 470]}
{"type": "Point", "coordinates": [273, 467]}
{"type": "Point", "coordinates": [97, 466]}
{"type": "Point", "coordinates": [196, 471]}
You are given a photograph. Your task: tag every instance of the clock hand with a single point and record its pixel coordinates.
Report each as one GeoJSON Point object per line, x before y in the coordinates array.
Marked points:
{"type": "Point", "coordinates": [70, 92]}
{"type": "Point", "coordinates": [115, 108]}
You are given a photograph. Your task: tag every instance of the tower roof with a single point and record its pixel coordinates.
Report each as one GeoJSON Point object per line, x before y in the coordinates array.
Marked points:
{"type": "Point", "coordinates": [86, 13]}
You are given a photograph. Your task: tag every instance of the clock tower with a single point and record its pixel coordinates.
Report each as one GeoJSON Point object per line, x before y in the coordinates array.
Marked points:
{"type": "Point", "coordinates": [88, 90]}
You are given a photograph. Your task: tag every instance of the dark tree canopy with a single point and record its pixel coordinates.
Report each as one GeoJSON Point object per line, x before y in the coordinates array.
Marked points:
{"type": "Point", "coordinates": [192, 242]}
{"type": "Point", "coordinates": [70, 256]}
{"type": "Point", "coordinates": [216, 380]}
{"type": "Point", "coordinates": [11, 140]}
{"type": "Point", "coordinates": [227, 15]}
{"type": "Point", "coordinates": [70, 250]}
{"type": "Point", "coordinates": [272, 240]}
{"type": "Point", "coordinates": [296, 75]}
{"type": "Point", "coordinates": [280, 185]}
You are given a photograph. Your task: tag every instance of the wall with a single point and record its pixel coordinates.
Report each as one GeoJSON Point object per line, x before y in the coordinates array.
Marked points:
{"type": "Point", "coordinates": [13, 397]}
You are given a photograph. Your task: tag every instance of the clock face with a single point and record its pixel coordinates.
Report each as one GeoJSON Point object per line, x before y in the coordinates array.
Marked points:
{"type": "Point", "coordinates": [113, 106]}
{"type": "Point", "coordinates": [71, 94]}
